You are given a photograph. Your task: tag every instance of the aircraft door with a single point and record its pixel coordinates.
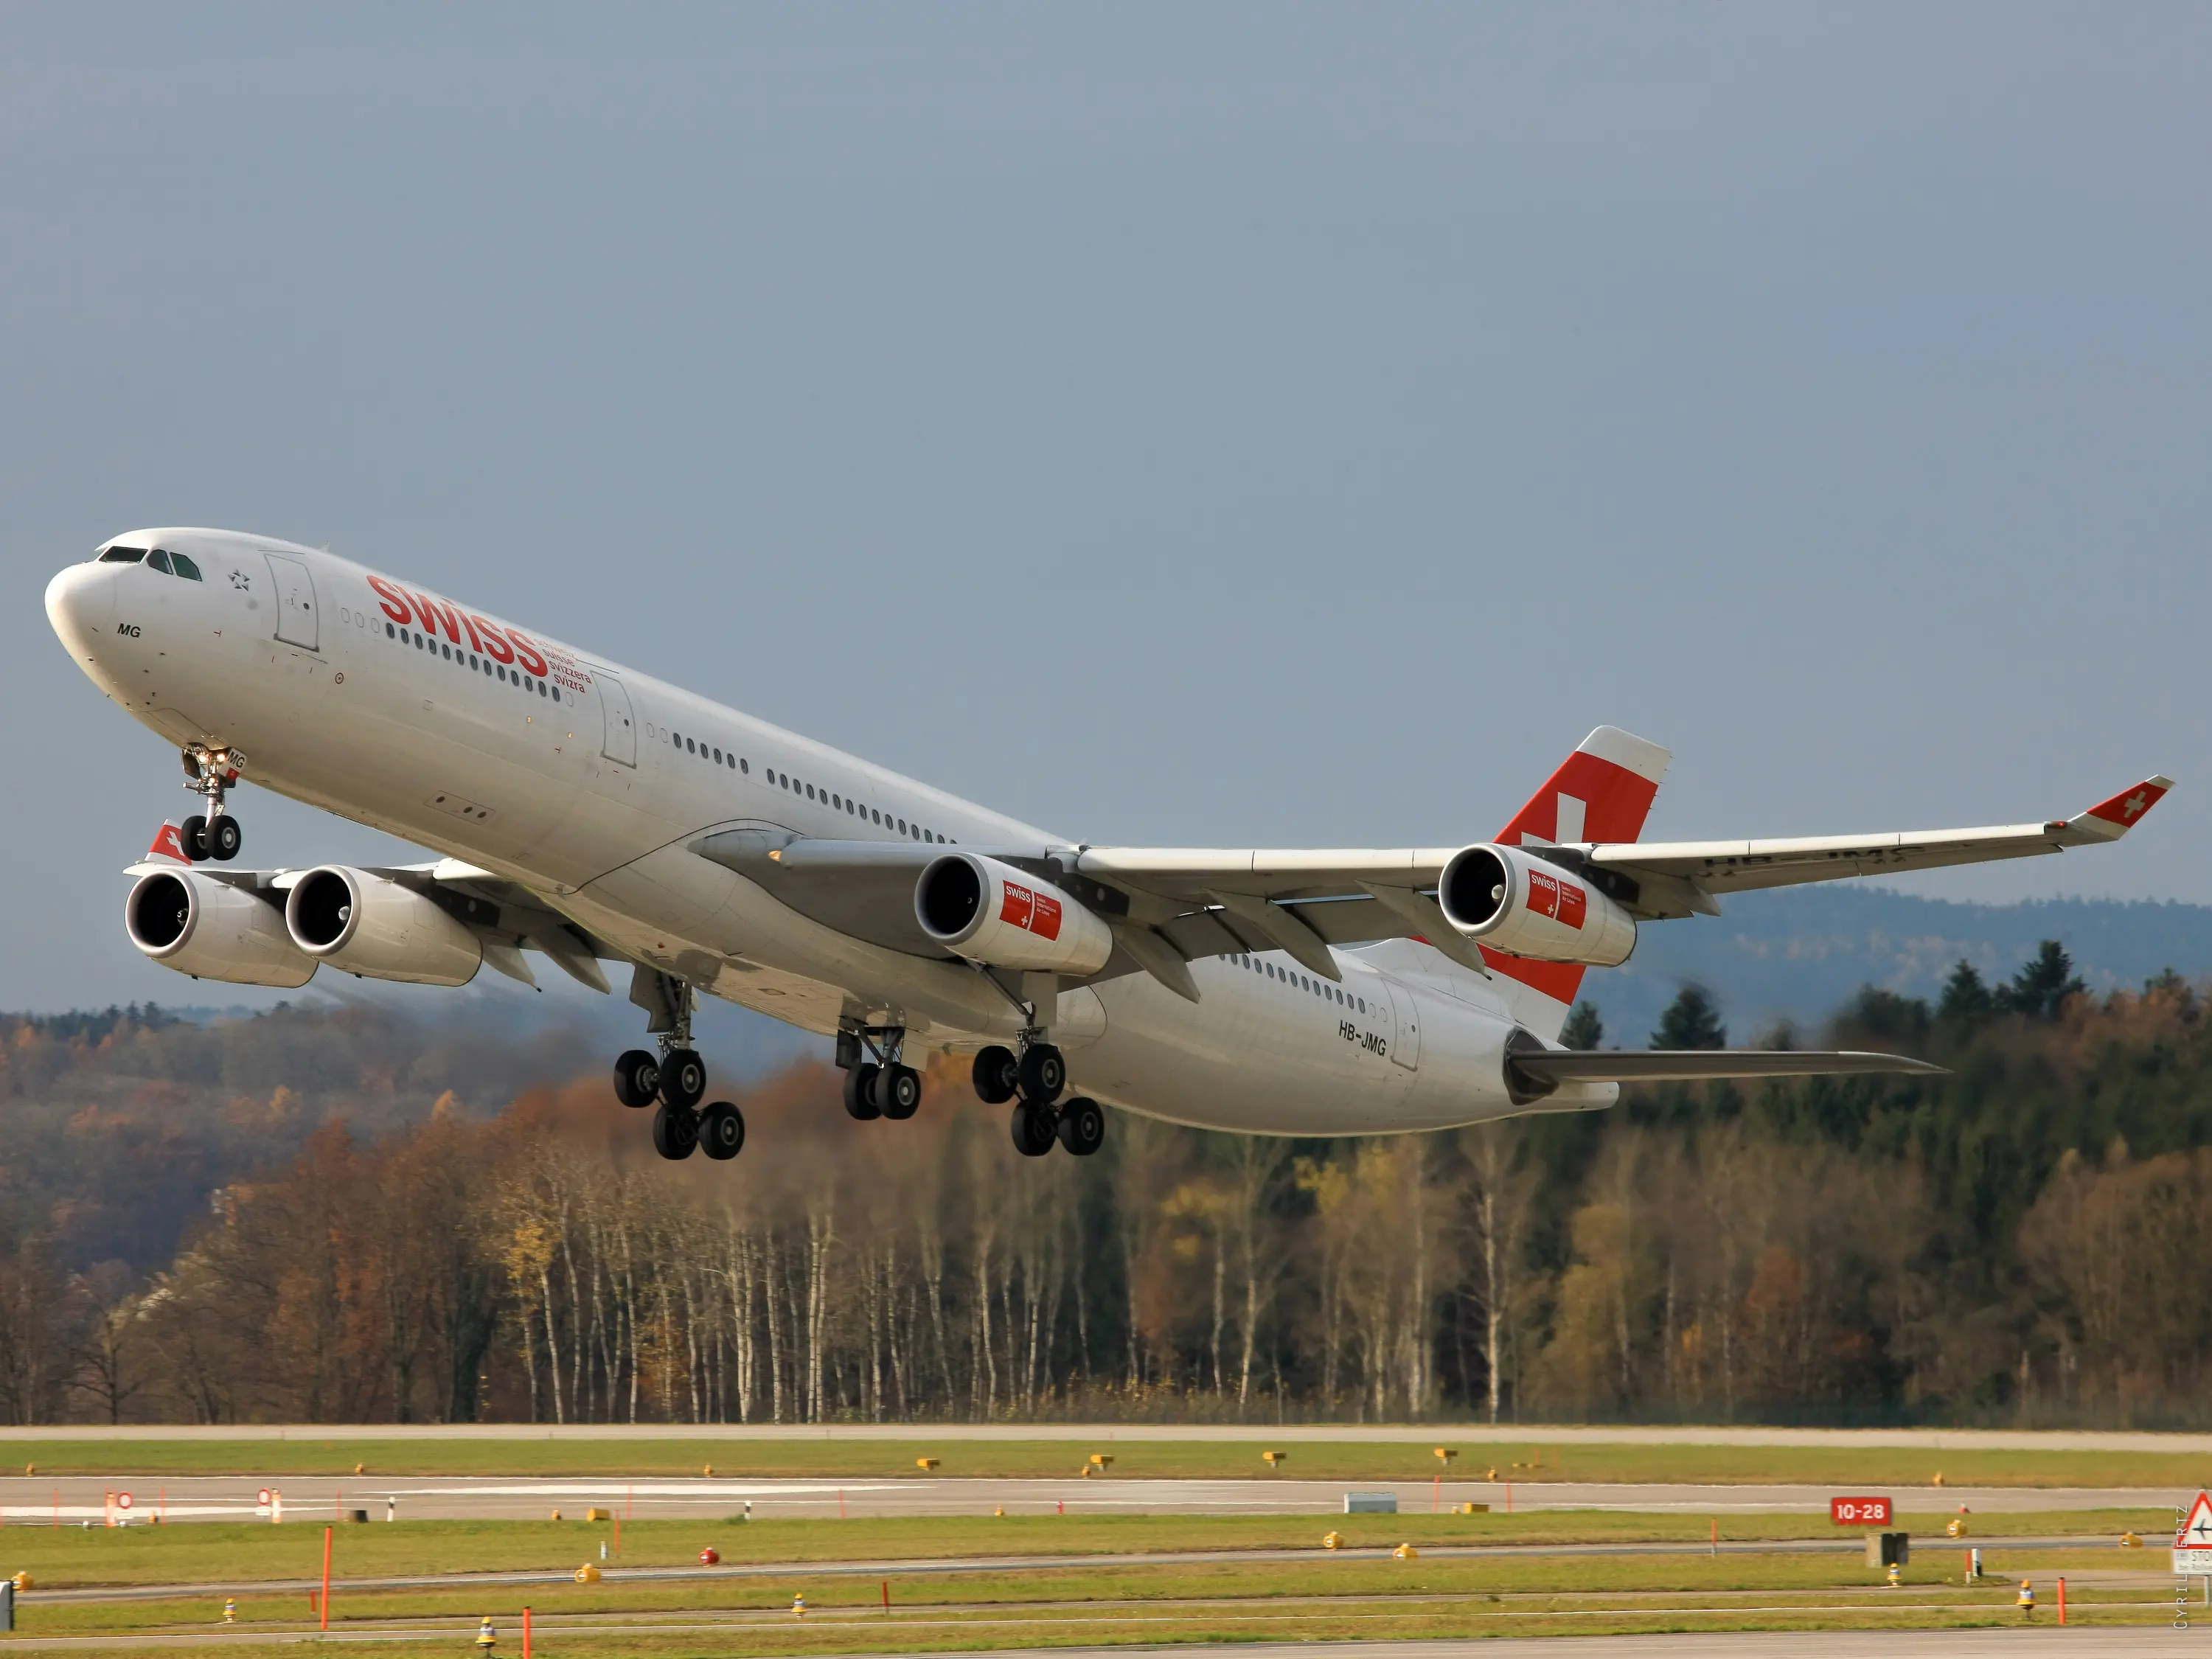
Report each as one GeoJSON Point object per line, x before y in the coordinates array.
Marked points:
{"type": "Point", "coordinates": [1406, 1050]}
{"type": "Point", "coordinates": [295, 601]}
{"type": "Point", "coordinates": [620, 743]}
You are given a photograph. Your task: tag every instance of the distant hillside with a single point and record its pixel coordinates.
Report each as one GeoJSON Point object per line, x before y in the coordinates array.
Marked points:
{"type": "Point", "coordinates": [1799, 953]}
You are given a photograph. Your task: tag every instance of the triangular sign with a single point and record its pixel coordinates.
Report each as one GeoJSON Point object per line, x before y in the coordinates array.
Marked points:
{"type": "Point", "coordinates": [2195, 1532]}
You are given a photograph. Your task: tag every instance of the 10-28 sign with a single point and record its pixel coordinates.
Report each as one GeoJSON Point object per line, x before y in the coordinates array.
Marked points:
{"type": "Point", "coordinates": [1859, 1511]}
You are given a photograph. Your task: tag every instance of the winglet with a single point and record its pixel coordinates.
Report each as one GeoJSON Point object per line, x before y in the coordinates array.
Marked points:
{"type": "Point", "coordinates": [2108, 820]}
{"type": "Point", "coordinates": [168, 847]}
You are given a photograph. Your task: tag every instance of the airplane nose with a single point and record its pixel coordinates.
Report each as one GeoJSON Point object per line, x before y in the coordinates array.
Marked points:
{"type": "Point", "coordinates": [80, 605]}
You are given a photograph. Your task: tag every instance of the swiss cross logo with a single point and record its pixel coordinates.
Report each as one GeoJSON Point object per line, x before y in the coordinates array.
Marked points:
{"type": "Point", "coordinates": [1031, 911]}
{"type": "Point", "coordinates": [1562, 901]}
{"type": "Point", "coordinates": [167, 844]}
{"type": "Point", "coordinates": [1543, 894]}
{"type": "Point", "coordinates": [2134, 804]}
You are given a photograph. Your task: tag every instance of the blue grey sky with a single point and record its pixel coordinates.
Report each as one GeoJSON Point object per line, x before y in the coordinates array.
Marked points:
{"type": "Point", "coordinates": [1180, 423]}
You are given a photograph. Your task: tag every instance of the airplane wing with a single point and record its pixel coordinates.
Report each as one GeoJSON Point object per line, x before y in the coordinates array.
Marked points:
{"type": "Point", "coordinates": [1169, 906]}
{"type": "Point", "coordinates": [1678, 879]}
{"type": "Point", "coordinates": [505, 916]}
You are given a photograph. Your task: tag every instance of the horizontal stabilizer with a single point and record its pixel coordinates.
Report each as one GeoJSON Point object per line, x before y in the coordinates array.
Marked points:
{"type": "Point", "coordinates": [1690, 1065]}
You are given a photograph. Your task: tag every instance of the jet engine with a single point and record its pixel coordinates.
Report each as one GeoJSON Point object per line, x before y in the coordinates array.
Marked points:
{"type": "Point", "coordinates": [992, 912]}
{"type": "Point", "coordinates": [1510, 902]}
{"type": "Point", "coordinates": [372, 926]}
{"type": "Point", "coordinates": [213, 930]}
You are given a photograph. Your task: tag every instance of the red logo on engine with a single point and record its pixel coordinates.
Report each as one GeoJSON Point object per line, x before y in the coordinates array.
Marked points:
{"type": "Point", "coordinates": [1574, 904]}
{"type": "Point", "coordinates": [1543, 894]}
{"type": "Point", "coordinates": [1033, 911]}
{"type": "Point", "coordinates": [1562, 901]}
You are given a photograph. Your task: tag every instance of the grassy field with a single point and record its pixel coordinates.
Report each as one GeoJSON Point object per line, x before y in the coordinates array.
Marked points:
{"type": "Point", "coordinates": [1304, 1591]}
{"type": "Point", "coordinates": [1315, 1458]}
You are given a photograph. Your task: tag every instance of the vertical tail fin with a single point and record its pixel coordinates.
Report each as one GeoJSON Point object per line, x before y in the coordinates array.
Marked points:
{"type": "Point", "coordinates": [1602, 792]}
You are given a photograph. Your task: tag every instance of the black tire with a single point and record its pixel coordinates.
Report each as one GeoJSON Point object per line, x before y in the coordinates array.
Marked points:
{"type": "Point", "coordinates": [897, 1090]}
{"type": "Point", "coordinates": [682, 1079]}
{"type": "Point", "coordinates": [860, 1091]}
{"type": "Point", "coordinates": [224, 838]}
{"type": "Point", "coordinates": [722, 1130]}
{"type": "Point", "coordinates": [1044, 1074]}
{"type": "Point", "coordinates": [1033, 1129]}
{"type": "Point", "coordinates": [637, 1079]}
{"type": "Point", "coordinates": [997, 1076]}
{"type": "Point", "coordinates": [1082, 1125]}
{"type": "Point", "coordinates": [193, 834]}
{"type": "Point", "coordinates": [675, 1131]}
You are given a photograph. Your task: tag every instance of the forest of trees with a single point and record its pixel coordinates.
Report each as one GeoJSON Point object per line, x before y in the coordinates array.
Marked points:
{"type": "Point", "coordinates": [263, 1220]}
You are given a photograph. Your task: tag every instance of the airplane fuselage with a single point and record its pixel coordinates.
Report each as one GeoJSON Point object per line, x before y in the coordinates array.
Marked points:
{"type": "Point", "coordinates": [589, 783]}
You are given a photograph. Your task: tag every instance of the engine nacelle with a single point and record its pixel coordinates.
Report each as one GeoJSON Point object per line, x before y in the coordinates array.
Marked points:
{"type": "Point", "coordinates": [372, 926]}
{"type": "Point", "coordinates": [212, 930]}
{"type": "Point", "coordinates": [1503, 898]}
{"type": "Point", "coordinates": [992, 912]}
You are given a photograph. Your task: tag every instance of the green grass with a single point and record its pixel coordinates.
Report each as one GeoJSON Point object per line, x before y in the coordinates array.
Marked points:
{"type": "Point", "coordinates": [1312, 1456]}
{"type": "Point", "coordinates": [244, 1553]}
{"type": "Point", "coordinates": [1310, 1595]}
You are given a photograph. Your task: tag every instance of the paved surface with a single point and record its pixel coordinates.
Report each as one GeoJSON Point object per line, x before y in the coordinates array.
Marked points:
{"type": "Point", "coordinates": [231, 1498]}
{"type": "Point", "coordinates": [1106, 1433]}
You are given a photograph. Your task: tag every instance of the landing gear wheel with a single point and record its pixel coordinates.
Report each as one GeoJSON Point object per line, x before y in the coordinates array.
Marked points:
{"type": "Point", "coordinates": [721, 1130]}
{"type": "Point", "coordinates": [897, 1090]}
{"type": "Point", "coordinates": [224, 838]}
{"type": "Point", "coordinates": [997, 1076]}
{"type": "Point", "coordinates": [1082, 1125]}
{"type": "Point", "coordinates": [861, 1090]}
{"type": "Point", "coordinates": [675, 1131]}
{"type": "Point", "coordinates": [1033, 1129]}
{"type": "Point", "coordinates": [192, 832]}
{"type": "Point", "coordinates": [683, 1078]}
{"type": "Point", "coordinates": [637, 1079]}
{"type": "Point", "coordinates": [1044, 1074]}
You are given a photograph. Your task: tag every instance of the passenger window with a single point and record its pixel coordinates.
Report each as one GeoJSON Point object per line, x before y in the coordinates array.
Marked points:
{"type": "Point", "coordinates": [123, 556]}
{"type": "Point", "coordinates": [185, 567]}
{"type": "Point", "coordinates": [390, 631]}
{"type": "Point", "coordinates": [157, 560]}
{"type": "Point", "coordinates": [555, 693]}
{"type": "Point", "coordinates": [718, 757]}
{"type": "Point", "coordinates": [902, 826]}
{"type": "Point", "coordinates": [746, 767]}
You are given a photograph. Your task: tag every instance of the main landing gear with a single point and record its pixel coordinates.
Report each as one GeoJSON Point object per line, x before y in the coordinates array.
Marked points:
{"type": "Point", "coordinates": [882, 1085]}
{"type": "Point", "coordinates": [208, 773]}
{"type": "Point", "coordinates": [674, 1081]}
{"type": "Point", "coordinates": [1037, 1076]}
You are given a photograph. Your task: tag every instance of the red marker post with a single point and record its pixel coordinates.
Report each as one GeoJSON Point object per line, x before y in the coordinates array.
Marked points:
{"type": "Point", "coordinates": [327, 1531]}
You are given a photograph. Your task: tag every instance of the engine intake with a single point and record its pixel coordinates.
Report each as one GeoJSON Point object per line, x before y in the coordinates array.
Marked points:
{"type": "Point", "coordinates": [213, 930]}
{"type": "Point", "coordinates": [992, 912]}
{"type": "Point", "coordinates": [372, 926]}
{"type": "Point", "coordinates": [1525, 907]}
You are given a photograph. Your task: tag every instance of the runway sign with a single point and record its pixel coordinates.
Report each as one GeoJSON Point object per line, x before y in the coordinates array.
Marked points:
{"type": "Point", "coordinates": [1859, 1511]}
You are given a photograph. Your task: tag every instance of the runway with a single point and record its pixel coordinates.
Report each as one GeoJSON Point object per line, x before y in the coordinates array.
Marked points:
{"type": "Point", "coordinates": [75, 1500]}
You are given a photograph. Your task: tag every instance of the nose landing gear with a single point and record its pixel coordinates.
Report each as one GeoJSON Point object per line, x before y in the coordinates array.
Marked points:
{"type": "Point", "coordinates": [208, 773]}
{"type": "Point", "coordinates": [675, 1080]}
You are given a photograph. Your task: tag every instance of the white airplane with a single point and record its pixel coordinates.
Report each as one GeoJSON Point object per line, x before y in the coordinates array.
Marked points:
{"type": "Point", "coordinates": [594, 814]}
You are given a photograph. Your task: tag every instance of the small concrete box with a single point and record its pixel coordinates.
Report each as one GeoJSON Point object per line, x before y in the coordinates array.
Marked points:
{"type": "Point", "coordinates": [1889, 1549]}
{"type": "Point", "coordinates": [1370, 1503]}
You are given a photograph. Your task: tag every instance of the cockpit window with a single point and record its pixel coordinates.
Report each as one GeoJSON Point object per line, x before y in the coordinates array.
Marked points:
{"type": "Point", "coordinates": [157, 560]}
{"type": "Point", "coordinates": [123, 556]}
{"type": "Point", "coordinates": [185, 567]}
